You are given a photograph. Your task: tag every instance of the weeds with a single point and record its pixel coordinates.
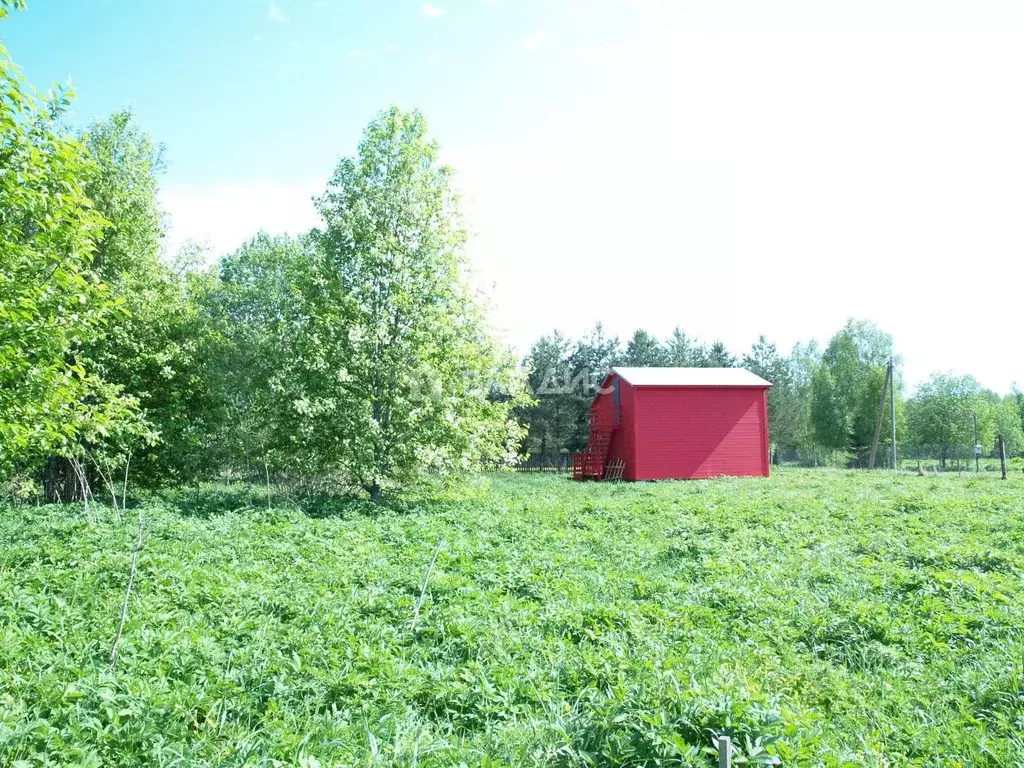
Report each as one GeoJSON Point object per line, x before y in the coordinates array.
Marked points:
{"type": "Point", "coordinates": [817, 618]}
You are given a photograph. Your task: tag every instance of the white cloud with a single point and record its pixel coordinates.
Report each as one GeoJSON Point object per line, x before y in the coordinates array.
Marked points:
{"type": "Point", "coordinates": [701, 174]}
{"type": "Point", "coordinates": [257, 38]}
{"type": "Point", "coordinates": [274, 13]}
{"type": "Point", "coordinates": [391, 48]}
{"type": "Point", "coordinates": [227, 216]}
{"type": "Point", "coordinates": [604, 53]}
{"type": "Point", "coordinates": [652, 6]}
{"type": "Point", "coordinates": [355, 53]}
{"type": "Point", "coordinates": [534, 41]}
{"type": "Point", "coordinates": [578, 10]}
{"type": "Point", "coordinates": [432, 11]}
{"type": "Point", "coordinates": [746, 173]}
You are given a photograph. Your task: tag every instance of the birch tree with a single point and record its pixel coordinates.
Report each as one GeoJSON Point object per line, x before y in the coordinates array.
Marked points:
{"type": "Point", "coordinates": [399, 377]}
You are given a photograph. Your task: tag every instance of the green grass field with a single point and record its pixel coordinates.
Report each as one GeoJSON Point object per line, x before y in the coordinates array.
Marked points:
{"type": "Point", "coordinates": [826, 618]}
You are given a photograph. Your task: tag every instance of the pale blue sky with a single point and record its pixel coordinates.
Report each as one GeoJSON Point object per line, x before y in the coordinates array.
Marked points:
{"type": "Point", "coordinates": [245, 90]}
{"type": "Point", "coordinates": [732, 167]}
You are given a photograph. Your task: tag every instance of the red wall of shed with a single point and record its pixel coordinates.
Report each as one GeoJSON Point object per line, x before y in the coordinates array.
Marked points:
{"type": "Point", "coordinates": [692, 432]}
{"type": "Point", "coordinates": [622, 445]}
{"type": "Point", "coordinates": [602, 408]}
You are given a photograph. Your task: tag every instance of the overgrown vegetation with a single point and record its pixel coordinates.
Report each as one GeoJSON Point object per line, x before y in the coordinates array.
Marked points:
{"type": "Point", "coordinates": [354, 356]}
{"type": "Point", "coordinates": [824, 618]}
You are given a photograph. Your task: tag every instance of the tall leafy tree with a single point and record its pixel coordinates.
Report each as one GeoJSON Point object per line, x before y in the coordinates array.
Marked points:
{"type": "Point", "coordinates": [847, 388]}
{"type": "Point", "coordinates": [393, 369]}
{"type": "Point", "coordinates": [52, 303]}
{"type": "Point", "coordinates": [1007, 424]}
{"type": "Point", "coordinates": [1017, 397]}
{"type": "Point", "coordinates": [124, 188]}
{"type": "Point", "coordinates": [804, 360]}
{"type": "Point", "coordinates": [152, 348]}
{"type": "Point", "coordinates": [874, 346]}
{"type": "Point", "coordinates": [256, 309]}
{"type": "Point", "coordinates": [943, 412]}
{"type": "Point", "coordinates": [829, 415]}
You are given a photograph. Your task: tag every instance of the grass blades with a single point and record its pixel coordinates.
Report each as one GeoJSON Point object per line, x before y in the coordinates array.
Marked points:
{"type": "Point", "coordinates": [817, 618]}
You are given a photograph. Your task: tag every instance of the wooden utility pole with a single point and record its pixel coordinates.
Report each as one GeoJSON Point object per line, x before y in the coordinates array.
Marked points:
{"type": "Point", "coordinates": [892, 408]}
{"type": "Point", "coordinates": [1002, 457]}
{"type": "Point", "coordinates": [878, 422]}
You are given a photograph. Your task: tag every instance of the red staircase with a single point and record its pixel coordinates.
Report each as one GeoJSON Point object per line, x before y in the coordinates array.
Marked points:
{"type": "Point", "coordinates": [590, 463]}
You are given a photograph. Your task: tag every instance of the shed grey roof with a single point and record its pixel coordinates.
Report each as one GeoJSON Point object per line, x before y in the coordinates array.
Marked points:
{"type": "Point", "coordinates": [691, 377]}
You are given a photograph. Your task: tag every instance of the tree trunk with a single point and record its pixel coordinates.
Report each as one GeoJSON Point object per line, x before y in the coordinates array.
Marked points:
{"type": "Point", "coordinates": [376, 492]}
{"type": "Point", "coordinates": [61, 484]}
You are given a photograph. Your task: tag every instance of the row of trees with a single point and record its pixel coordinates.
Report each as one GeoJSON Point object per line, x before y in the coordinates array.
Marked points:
{"type": "Point", "coordinates": [354, 354]}
{"type": "Point", "coordinates": [950, 413]}
{"type": "Point", "coordinates": [563, 376]}
{"type": "Point", "coordinates": [824, 402]}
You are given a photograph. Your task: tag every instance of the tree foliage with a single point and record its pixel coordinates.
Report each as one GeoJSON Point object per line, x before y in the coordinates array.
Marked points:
{"type": "Point", "coordinates": [256, 306]}
{"type": "Point", "coordinates": [552, 417]}
{"type": "Point", "coordinates": [683, 352]}
{"type": "Point", "coordinates": [594, 356]}
{"type": "Point", "coordinates": [52, 302]}
{"type": "Point", "coordinates": [153, 348]}
{"type": "Point", "coordinates": [390, 370]}
{"type": "Point", "coordinates": [1007, 424]}
{"type": "Point", "coordinates": [803, 362]}
{"type": "Point", "coordinates": [718, 356]}
{"type": "Point", "coordinates": [945, 412]}
{"type": "Point", "coordinates": [7, 5]}
{"type": "Point", "coordinates": [784, 408]}
{"type": "Point", "coordinates": [645, 351]}
{"type": "Point", "coordinates": [846, 389]}
{"type": "Point", "coordinates": [356, 351]}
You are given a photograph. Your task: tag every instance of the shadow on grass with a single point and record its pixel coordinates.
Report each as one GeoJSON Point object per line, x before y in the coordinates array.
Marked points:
{"type": "Point", "coordinates": [209, 501]}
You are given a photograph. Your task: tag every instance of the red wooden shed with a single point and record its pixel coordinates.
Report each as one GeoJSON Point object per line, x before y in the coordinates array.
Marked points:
{"type": "Point", "coordinates": [677, 423]}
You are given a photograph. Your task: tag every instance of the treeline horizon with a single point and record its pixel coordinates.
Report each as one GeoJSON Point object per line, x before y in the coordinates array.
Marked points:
{"type": "Point", "coordinates": [823, 406]}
